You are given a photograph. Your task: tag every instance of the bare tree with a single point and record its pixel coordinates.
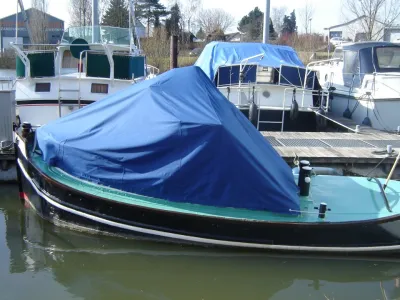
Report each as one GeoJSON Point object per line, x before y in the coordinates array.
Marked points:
{"type": "Point", "coordinates": [374, 15]}
{"type": "Point", "coordinates": [214, 20]}
{"type": "Point", "coordinates": [38, 21]}
{"type": "Point", "coordinates": [278, 13]}
{"type": "Point", "coordinates": [80, 12]}
{"type": "Point", "coordinates": [189, 11]}
{"type": "Point", "coordinates": [306, 13]}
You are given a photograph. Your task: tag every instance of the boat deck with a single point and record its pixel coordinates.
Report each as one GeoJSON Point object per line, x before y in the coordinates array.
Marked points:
{"type": "Point", "coordinates": [348, 199]}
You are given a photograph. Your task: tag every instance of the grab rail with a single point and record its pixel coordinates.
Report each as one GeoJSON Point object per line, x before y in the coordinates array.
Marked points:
{"type": "Point", "coordinates": [382, 192]}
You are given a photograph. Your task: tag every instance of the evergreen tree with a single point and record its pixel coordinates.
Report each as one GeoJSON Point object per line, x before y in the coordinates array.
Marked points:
{"type": "Point", "coordinates": [173, 23]}
{"type": "Point", "coordinates": [117, 14]}
{"type": "Point", "coordinates": [289, 24]}
{"type": "Point", "coordinates": [293, 21]}
{"type": "Point", "coordinates": [151, 11]}
{"type": "Point", "coordinates": [201, 34]}
{"type": "Point", "coordinates": [272, 33]}
{"type": "Point", "coordinates": [253, 25]}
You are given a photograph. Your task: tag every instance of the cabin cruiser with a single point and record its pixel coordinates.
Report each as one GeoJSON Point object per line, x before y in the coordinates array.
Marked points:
{"type": "Point", "coordinates": [88, 64]}
{"type": "Point", "coordinates": [364, 82]}
{"type": "Point", "coordinates": [268, 83]}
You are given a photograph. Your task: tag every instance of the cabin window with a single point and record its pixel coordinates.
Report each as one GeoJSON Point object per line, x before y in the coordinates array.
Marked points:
{"type": "Point", "coordinates": [388, 57]}
{"type": "Point", "coordinates": [99, 88]}
{"type": "Point", "coordinates": [351, 67]}
{"type": "Point", "coordinates": [338, 54]}
{"type": "Point", "coordinates": [42, 87]}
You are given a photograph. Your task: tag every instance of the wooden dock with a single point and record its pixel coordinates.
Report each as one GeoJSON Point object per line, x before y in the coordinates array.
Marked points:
{"type": "Point", "coordinates": [350, 151]}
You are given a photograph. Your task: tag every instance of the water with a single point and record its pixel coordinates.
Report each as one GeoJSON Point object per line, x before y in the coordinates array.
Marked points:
{"type": "Point", "coordinates": [41, 261]}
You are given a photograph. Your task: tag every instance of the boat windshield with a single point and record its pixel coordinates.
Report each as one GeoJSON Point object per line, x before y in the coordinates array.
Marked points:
{"type": "Point", "coordinates": [338, 53]}
{"type": "Point", "coordinates": [107, 34]}
{"type": "Point", "coordinates": [388, 58]}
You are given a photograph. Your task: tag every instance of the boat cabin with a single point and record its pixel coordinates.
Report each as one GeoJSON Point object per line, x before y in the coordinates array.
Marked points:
{"type": "Point", "coordinates": [108, 56]}
{"type": "Point", "coordinates": [355, 60]}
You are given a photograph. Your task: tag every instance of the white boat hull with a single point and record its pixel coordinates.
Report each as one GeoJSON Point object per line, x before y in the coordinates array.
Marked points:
{"type": "Point", "coordinates": [383, 113]}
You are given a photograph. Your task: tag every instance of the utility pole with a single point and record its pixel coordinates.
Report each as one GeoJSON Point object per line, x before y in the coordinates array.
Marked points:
{"type": "Point", "coordinates": [266, 22]}
{"type": "Point", "coordinates": [95, 22]}
{"type": "Point", "coordinates": [16, 25]}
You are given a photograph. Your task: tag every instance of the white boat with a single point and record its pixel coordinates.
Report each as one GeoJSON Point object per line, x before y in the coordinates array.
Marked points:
{"type": "Point", "coordinates": [364, 80]}
{"type": "Point", "coordinates": [54, 80]}
{"type": "Point", "coordinates": [268, 83]}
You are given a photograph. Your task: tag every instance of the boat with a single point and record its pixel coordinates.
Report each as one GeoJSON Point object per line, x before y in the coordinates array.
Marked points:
{"type": "Point", "coordinates": [53, 83]}
{"type": "Point", "coordinates": [180, 163]}
{"type": "Point", "coordinates": [89, 63]}
{"type": "Point", "coordinates": [364, 81]}
{"type": "Point", "coordinates": [268, 83]}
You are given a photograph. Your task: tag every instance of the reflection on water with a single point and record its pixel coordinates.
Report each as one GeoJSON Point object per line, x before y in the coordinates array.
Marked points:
{"type": "Point", "coordinates": [41, 261]}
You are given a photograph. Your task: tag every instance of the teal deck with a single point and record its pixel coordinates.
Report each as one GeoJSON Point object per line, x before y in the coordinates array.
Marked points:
{"type": "Point", "coordinates": [348, 198]}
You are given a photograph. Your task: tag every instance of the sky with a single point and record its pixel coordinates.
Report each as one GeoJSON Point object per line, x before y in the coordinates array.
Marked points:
{"type": "Point", "coordinates": [326, 13]}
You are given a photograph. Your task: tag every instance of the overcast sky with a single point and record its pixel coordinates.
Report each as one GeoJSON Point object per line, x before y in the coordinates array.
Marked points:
{"type": "Point", "coordinates": [326, 13]}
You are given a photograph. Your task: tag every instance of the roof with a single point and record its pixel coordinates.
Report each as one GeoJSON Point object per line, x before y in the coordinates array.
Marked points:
{"type": "Point", "coordinates": [178, 142]}
{"type": "Point", "coordinates": [28, 11]}
{"type": "Point", "coordinates": [217, 54]}
{"type": "Point", "coordinates": [368, 44]}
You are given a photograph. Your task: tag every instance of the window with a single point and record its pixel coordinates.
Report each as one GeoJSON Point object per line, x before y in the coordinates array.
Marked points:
{"type": "Point", "coordinates": [351, 63]}
{"type": "Point", "coordinates": [388, 57]}
{"type": "Point", "coordinates": [99, 88]}
{"type": "Point", "coordinates": [42, 87]}
{"type": "Point", "coordinates": [338, 53]}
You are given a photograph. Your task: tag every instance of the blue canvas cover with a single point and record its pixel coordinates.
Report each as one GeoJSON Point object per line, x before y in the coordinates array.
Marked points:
{"type": "Point", "coordinates": [174, 137]}
{"type": "Point", "coordinates": [217, 54]}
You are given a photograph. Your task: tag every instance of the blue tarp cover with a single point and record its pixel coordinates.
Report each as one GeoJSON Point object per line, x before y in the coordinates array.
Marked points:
{"type": "Point", "coordinates": [174, 137]}
{"type": "Point", "coordinates": [217, 54]}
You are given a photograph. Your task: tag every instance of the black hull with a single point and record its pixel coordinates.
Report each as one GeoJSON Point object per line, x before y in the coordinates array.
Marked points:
{"type": "Point", "coordinates": [305, 121]}
{"type": "Point", "coordinates": [63, 205]}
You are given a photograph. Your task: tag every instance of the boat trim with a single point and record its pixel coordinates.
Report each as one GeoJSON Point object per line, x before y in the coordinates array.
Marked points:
{"type": "Point", "coordinates": [199, 239]}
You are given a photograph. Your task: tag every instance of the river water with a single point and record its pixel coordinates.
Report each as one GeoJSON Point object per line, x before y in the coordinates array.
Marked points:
{"type": "Point", "coordinates": [41, 261]}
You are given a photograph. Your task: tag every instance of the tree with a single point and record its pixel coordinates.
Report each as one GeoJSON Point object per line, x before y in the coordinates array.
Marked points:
{"type": "Point", "coordinates": [306, 14]}
{"type": "Point", "coordinates": [272, 33]}
{"type": "Point", "coordinates": [289, 23]}
{"type": "Point", "coordinates": [151, 11]}
{"type": "Point", "coordinates": [117, 14]}
{"type": "Point", "coordinates": [253, 24]}
{"type": "Point", "coordinates": [214, 20]}
{"type": "Point", "coordinates": [375, 15]}
{"type": "Point", "coordinates": [189, 11]}
{"type": "Point", "coordinates": [38, 21]}
{"type": "Point", "coordinates": [173, 23]}
{"type": "Point", "coordinates": [80, 12]}
{"type": "Point", "coordinates": [201, 34]}
{"type": "Point", "coordinates": [278, 13]}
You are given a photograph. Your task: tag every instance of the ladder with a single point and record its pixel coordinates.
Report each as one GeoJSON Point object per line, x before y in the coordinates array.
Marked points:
{"type": "Point", "coordinates": [61, 91]}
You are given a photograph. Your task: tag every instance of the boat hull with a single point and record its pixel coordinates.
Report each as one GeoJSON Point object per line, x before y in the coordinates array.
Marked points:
{"type": "Point", "coordinates": [380, 111]}
{"type": "Point", "coordinates": [66, 206]}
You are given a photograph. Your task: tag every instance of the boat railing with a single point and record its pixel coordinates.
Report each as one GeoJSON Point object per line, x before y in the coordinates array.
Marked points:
{"type": "Point", "coordinates": [315, 63]}
{"type": "Point", "coordinates": [7, 84]}
{"type": "Point", "coordinates": [152, 70]}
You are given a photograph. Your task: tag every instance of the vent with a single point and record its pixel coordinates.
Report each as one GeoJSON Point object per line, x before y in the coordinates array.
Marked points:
{"type": "Point", "coordinates": [42, 87]}
{"type": "Point", "coordinates": [99, 88]}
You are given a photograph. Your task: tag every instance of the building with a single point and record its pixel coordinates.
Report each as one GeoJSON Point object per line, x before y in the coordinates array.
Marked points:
{"type": "Point", "coordinates": [54, 29]}
{"type": "Point", "coordinates": [233, 37]}
{"type": "Point", "coordinates": [392, 34]}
